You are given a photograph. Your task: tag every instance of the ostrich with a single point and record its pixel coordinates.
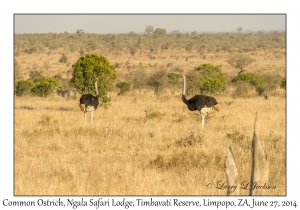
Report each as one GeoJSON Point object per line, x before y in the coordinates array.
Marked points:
{"type": "Point", "coordinates": [62, 93]}
{"type": "Point", "coordinates": [89, 103]}
{"type": "Point", "coordinates": [204, 104]}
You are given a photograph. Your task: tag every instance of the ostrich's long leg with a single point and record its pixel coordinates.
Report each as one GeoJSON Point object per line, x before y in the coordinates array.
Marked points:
{"type": "Point", "coordinates": [203, 121]}
{"type": "Point", "coordinates": [92, 117]}
{"type": "Point", "coordinates": [84, 116]}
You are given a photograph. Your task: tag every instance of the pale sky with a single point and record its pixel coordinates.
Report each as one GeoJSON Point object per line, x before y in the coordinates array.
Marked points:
{"type": "Point", "coordinates": [102, 24]}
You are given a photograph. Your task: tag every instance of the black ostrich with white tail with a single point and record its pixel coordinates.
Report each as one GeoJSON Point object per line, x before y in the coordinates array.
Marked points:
{"type": "Point", "coordinates": [204, 104]}
{"type": "Point", "coordinates": [89, 103]}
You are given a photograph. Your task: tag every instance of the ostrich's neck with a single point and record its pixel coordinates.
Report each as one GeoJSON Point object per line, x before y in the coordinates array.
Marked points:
{"type": "Point", "coordinates": [96, 87]}
{"type": "Point", "coordinates": [183, 86]}
{"type": "Point", "coordinates": [183, 90]}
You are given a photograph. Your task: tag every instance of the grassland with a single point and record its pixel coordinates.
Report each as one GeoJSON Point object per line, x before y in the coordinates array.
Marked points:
{"type": "Point", "coordinates": [162, 153]}
{"type": "Point", "coordinates": [159, 152]}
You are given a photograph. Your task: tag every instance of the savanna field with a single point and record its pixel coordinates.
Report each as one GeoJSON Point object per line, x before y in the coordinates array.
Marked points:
{"type": "Point", "coordinates": [143, 144]}
{"type": "Point", "coordinates": [162, 153]}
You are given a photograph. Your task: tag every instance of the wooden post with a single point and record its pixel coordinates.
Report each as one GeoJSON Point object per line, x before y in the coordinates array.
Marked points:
{"type": "Point", "coordinates": [231, 174]}
{"type": "Point", "coordinates": [260, 166]}
{"type": "Point", "coordinates": [260, 169]}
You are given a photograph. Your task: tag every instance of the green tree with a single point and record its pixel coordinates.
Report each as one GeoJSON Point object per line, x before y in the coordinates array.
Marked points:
{"type": "Point", "coordinates": [23, 87]}
{"type": "Point", "coordinates": [124, 87]}
{"type": "Point", "coordinates": [89, 67]}
{"type": "Point", "coordinates": [212, 84]}
{"type": "Point", "coordinates": [211, 78]}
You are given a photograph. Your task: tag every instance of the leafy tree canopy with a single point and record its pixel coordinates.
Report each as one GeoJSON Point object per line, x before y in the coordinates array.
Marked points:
{"type": "Point", "coordinates": [89, 67]}
{"type": "Point", "coordinates": [208, 69]}
{"type": "Point", "coordinates": [211, 78]}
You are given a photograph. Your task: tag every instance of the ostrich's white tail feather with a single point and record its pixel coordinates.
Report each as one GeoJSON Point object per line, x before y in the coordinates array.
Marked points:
{"type": "Point", "coordinates": [217, 107]}
{"type": "Point", "coordinates": [82, 107]}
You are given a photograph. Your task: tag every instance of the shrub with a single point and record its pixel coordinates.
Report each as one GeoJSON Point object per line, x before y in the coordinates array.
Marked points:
{"type": "Point", "coordinates": [173, 81]}
{"type": "Point", "coordinates": [271, 82]}
{"type": "Point", "coordinates": [242, 89]}
{"type": "Point", "coordinates": [63, 59]}
{"type": "Point", "coordinates": [283, 83]}
{"type": "Point", "coordinates": [44, 87]}
{"type": "Point", "coordinates": [260, 90]}
{"type": "Point", "coordinates": [124, 87]}
{"type": "Point", "coordinates": [249, 77]}
{"type": "Point", "coordinates": [23, 87]}
{"type": "Point", "coordinates": [157, 80]}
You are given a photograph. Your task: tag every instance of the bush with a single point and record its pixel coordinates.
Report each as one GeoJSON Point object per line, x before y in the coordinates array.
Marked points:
{"type": "Point", "coordinates": [63, 59]}
{"type": "Point", "coordinates": [173, 81]}
{"type": "Point", "coordinates": [271, 82]}
{"type": "Point", "coordinates": [283, 83]}
{"type": "Point", "coordinates": [260, 90]}
{"type": "Point", "coordinates": [242, 89]}
{"type": "Point", "coordinates": [23, 87]}
{"type": "Point", "coordinates": [124, 87]}
{"type": "Point", "coordinates": [44, 87]}
{"type": "Point", "coordinates": [249, 77]}
{"type": "Point", "coordinates": [157, 80]}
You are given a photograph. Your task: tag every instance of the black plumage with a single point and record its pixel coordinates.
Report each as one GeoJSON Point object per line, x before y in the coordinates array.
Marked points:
{"type": "Point", "coordinates": [199, 101]}
{"type": "Point", "coordinates": [89, 103]}
{"type": "Point", "coordinates": [202, 103]}
{"type": "Point", "coordinates": [89, 100]}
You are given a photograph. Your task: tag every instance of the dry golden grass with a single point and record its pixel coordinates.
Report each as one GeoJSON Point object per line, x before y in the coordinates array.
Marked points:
{"type": "Point", "coordinates": [162, 153]}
